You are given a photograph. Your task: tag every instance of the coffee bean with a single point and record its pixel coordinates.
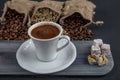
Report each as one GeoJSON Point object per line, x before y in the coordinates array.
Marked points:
{"type": "Point", "coordinates": [45, 14]}
{"type": "Point", "coordinates": [73, 26]}
{"type": "Point", "coordinates": [13, 29]}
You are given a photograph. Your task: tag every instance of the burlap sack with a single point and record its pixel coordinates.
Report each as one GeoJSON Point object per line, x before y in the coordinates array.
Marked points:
{"type": "Point", "coordinates": [21, 7]}
{"type": "Point", "coordinates": [83, 7]}
{"type": "Point", "coordinates": [50, 11]}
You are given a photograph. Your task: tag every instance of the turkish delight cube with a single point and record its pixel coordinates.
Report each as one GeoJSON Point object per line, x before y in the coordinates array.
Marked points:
{"type": "Point", "coordinates": [95, 49]}
{"type": "Point", "coordinates": [105, 48]}
{"type": "Point", "coordinates": [98, 42]}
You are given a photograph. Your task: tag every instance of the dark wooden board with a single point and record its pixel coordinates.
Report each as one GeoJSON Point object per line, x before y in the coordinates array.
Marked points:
{"type": "Point", "coordinates": [9, 65]}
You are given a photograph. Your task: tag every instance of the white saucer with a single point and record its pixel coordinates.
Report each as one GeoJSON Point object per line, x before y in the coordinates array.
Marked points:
{"type": "Point", "coordinates": [27, 59]}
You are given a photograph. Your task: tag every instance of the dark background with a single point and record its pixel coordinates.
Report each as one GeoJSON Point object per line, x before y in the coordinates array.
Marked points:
{"type": "Point", "coordinates": [109, 12]}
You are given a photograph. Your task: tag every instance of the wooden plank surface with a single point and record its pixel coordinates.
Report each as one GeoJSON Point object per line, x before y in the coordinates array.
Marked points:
{"type": "Point", "coordinates": [9, 65]}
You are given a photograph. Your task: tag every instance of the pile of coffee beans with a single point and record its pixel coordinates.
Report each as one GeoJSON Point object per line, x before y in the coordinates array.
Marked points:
{"type": "Point", "coordinates": [80, 33]}
{"type": "Point", "coordinates": [74, 27]}
{"type": "Point", "coordinates": [13, 28]}
{"type": "Point", "coordinates": [44, 14]}
{"type": "Point", "coordinates": [11, 14]}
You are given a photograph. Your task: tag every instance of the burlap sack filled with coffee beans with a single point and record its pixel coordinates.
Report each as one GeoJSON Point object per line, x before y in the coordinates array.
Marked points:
{"type": "Point", "coordinates": [14, 19]}
{"type": "Point", "coordinates": [77, 14]}
{"type": "Point", "coordinates": [17, 9]}
{"type": "Point", "coordinates": [47, 10]}
{"type": "Point", "coordinates": [78, 9]}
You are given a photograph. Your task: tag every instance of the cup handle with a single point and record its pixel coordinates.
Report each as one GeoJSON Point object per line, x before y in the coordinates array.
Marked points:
{"type": "Point", "coordinates": [68, 41]}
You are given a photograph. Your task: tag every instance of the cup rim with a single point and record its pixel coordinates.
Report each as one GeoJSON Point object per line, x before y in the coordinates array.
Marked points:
{"type": "Point", "coordinates": [43, 23]}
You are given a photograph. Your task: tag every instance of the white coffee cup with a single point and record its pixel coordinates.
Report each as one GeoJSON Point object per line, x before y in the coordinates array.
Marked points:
{"type": "Point", "coordinates": [46, 49]}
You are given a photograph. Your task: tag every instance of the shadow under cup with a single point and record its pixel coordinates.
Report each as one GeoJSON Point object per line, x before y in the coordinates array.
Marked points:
{"type": "Point", "coordinates": [46, 49]}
